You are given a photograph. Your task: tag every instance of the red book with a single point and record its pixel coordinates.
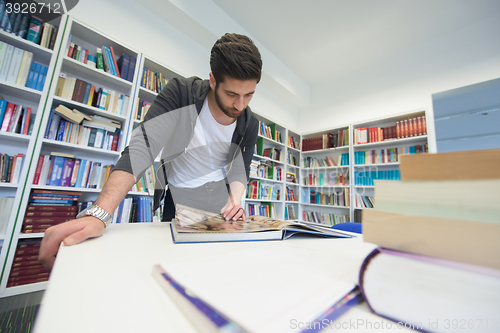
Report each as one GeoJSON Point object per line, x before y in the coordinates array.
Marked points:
{"type": "Point", "coordinates": [9, 111]}
{"type": "Point", "coordinates": [114, 60]}
{"type": "Point", "coordinates": [311, 179]}
{"type": "Point", "coordinates": [86, 56]}
{"type": "Point", "coordinates": [46, 220]}
{"type": "Point", "coordinates": [419, 125]}
{"type": "Point", "coordinates": [22, 271]}
{"type": "Point", "coordinates": [27, 251]}
{"type": "Point", "coordinates": [20, 283]}
{"type": "Point", "coordinates": [27, 116]}
{"type": "Point", "coordinates": [43, 214]}
{"type": "Point", "coordinates": [114, 144]}
{"type": "Point", "coordinates": [40, 276]}
{"type": "Point", "coordinates": [35, 208]}
{"type": "Point", "coordinates": [424, 126]}
{"type": "Point", "coordinates": [35, 231]}
{"type": "Point", "coordinates": [26, 263]}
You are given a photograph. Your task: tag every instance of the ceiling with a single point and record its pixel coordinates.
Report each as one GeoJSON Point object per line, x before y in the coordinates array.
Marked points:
{"type": "Point", "coordinates": [309, 43]}
{"type": "Point", "coordinates": [321, 40]}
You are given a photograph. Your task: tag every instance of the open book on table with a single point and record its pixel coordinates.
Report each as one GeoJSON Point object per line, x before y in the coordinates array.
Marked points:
{"type": "Point", "coordinates": [193, 225]}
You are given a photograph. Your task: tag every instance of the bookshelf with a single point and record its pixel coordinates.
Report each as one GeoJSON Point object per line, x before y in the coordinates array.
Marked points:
{"type": "Point", "coordinates": [24, 142]}
{"type": "Point", "coordinates": [376, 153]}
{"type": "Point", "coordinates": [39, 144]}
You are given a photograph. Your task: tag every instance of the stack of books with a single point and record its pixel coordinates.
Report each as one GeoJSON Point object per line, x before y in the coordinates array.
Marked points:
{"type": "Point", "coordinates": [26, 268]}
{"type": "Point", "coordinates": [439, 235]}
{"type": "Point", "coordinates": [47, 208]}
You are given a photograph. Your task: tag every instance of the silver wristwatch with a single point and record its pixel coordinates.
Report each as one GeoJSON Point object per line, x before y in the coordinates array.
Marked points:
{"type": "Point", "coordinates": [97, 212]}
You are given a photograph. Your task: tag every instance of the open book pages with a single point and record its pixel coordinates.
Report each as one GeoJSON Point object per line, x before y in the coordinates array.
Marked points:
{"type": "Point", "coordinates": [194, 225]}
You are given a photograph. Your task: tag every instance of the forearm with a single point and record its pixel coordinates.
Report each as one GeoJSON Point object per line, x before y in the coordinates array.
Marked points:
{"type": "Point", "coordinates": [236, 191]}
{"type": "Point", "coordinates": [115, 189]}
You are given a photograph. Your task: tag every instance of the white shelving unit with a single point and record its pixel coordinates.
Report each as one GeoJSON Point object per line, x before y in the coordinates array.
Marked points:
{"type": "Point", "coordinates": [11, 144]}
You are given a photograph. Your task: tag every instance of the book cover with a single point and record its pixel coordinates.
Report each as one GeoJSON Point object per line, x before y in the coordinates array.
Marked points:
{"type": "Point", "coordinates": [425, 293]}
{"type": "Point", "coordinates": [113, 58]}
{"type": "Point", "coordinates": [193, 225]}
{"type": "Point", "coordinates": [131, 70]}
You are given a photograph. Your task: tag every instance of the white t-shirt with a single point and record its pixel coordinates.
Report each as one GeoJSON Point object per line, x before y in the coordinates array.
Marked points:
{"type": "Point", "coordinates": [206, 154]}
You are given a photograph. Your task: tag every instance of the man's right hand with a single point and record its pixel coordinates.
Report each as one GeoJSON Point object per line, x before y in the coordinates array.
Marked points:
{"type": "Point", "coordinates": [71, 232]}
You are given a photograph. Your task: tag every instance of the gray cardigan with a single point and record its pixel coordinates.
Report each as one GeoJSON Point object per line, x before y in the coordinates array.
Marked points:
{"type": "Point", "coordinates": [169, 124]}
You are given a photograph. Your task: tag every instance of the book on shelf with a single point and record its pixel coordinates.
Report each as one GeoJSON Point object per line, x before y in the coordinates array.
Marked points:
{"type": "Point", "coordinates": [73, 116]}
{"type": "Point", "coordinates": [429, 294]}
{"type": "Point", "coordinates": [324, 218]}
{"type": "Point", "coordinates": [10, 167]}
{"type": "Point", "coordinates": [151, 80]}
{"type": "Point", "coordinates": [474, 164]}
{"type": "Point", "coordinates": [26, 268]}
{"type": "Point", "coordinates": [266, 209]}
{"type": "Point", "coordinates": [193, 226]}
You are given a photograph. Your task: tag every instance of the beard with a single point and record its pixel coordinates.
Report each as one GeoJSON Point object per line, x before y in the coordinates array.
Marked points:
{"type": "Point", "coordinates": [228, 111]}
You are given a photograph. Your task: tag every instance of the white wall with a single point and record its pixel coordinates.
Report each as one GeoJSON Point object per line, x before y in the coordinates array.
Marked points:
{"type": "Point", "coordinates": [406, 81]}
{"type": "Point", "coordinates": [145, 31]}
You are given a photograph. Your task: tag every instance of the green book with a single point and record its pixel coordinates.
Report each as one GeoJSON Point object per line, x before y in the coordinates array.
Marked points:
{"type": "Point", "coordinates": [100, 60]}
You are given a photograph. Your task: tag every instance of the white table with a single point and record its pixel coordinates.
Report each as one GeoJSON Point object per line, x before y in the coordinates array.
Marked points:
{"type": "Point", "coordinates": [105, 284]}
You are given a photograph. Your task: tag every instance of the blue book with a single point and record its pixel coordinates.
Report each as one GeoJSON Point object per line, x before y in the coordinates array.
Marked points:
{"type": "Point", "coordinates": [3, 107]}
{"type": "Point", "coordinates": [41, 77]}
{"type": "Point", "coordinates": [30, 75]}
{"type": "Point", "coordinates": [98, 99]}
{"type": "Point", "coordinates": [60, 130]}
{"type": "Point", "coordinates": [57, 170]}
{"type": "Point", "coordinates": [109, 58]}
{"type": "Point", "coordinates": [122, 63]}
{"type": "Point", "coordinates": [81, 170]}
{"type": "Point", "coordinates": [54, 124]}
{"type": "Point", "coordinates": [36, 73]}
{"type": "Point", "coordinates": [23, 29]}
{"type": "Point", "coordinates": [16, 22]}
{"type": "Point", "coordinates": [86, 95]}
{"type": "Point", "coordinates": [5, 24]}
{"type": "Point", "coordinates": [131, 70]}
{"type": "Point", "coordinates": [49, 201]}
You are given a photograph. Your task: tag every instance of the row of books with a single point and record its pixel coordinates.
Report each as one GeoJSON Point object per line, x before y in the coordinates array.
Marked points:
{"type": "Point", "coordinates": [262, 209]}
{"type": "Point", "coordinates": [47, 208]}
{"type": "Point", "coordinates": [10, 167]}
{"type": "Point", "coordinates": [105, 59]}
{"type": "Point", "coordinates": [27, 26]}
{"type": "Point", "coordinates": [86, 93]}
{"type": "Point", "coordinates": [403, 129]}
{"type": "Point", "coordinates": [326, 141]}
{"type": "Point", "coordinates": [389, 155]}
{"type": "Point", "coordinates": [59, 169]}
{"type": "Point", "coordinates": [6, 204]}
{"type": "Point", "coordinates": [270, 131]}
{"type": "Point", "coordinates": [25, 267]}
{"type": "Point", "coordinates": [290, 194]}
{"type": "Point", "coordinates": [292, 160]}
{"type": "Point", "coordinates": [441, 222]}
{"type": "Point", "coordinates": [324, 218]}
{"type": "Point", "coordinates": [141, 108]}
{"type": "Point", "coordinates": [364, 201]}
{"type": "Point", "coordinates": [328, 161]}
{"type": "Point", "coordinates": [366, 178]}
{"type": "Point", "coordinates": [266, 169]}
{"type": "Point", "coordinates": [259, 191]}
{"type": "Point", "coordinates": [15, 118]}
{"type": "Point", "coordinates": [340, 198]}
{"type": "Point", "coordinates": [290, 213]}
{"type": "Point", "coordinates": [132, 210]}
{"type": "Point", "coordinates": [293, 143]}
{"type": "Point", "coordinates": [17, 67]}
{"type": "Point", "coordinates": [98, 132]}
{"type": "Point", "coordinates": [326, 179]}
{"type": "Point", "coordinates": [272, 153]}
{"type": "Point", "coordinates": [153, 81]}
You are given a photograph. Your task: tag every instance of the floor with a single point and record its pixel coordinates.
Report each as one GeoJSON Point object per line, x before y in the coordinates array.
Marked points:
{"type": "Point", "coordinates": [18, 313]}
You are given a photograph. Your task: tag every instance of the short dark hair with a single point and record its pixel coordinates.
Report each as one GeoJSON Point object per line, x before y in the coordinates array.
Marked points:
{"type": "Point", "coordinates": [237, 57]}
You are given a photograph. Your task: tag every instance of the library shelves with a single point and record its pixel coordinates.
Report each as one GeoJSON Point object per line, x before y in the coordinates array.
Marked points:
{"type": "Point", "coordinates": [15, 143]}
{"type": "Point", "coordinates": [379, 159]}
{"type": "Point", "coordinates": [64, 67]}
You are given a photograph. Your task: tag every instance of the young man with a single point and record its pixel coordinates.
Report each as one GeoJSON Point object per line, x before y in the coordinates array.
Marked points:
{"type": "Point", "coordinates": [208, 134]}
